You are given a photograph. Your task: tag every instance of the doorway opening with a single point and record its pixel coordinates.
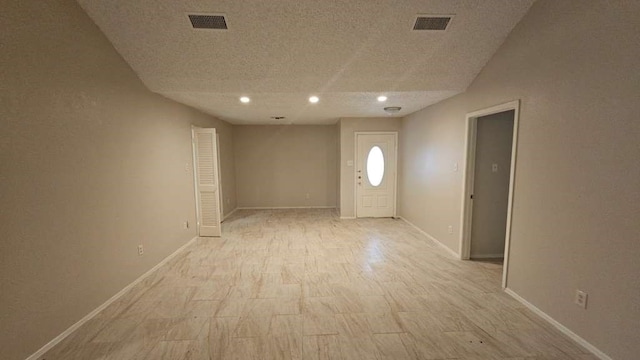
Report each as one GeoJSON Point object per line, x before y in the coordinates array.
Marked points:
{"type": "Point", "coordinates": [489, 174]}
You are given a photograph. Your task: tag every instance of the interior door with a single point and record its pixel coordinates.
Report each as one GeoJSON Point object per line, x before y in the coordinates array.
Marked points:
{"type": "Point", "coordinates": [205, 153]}
{"type": "Point", "coordinates": [376, 174]}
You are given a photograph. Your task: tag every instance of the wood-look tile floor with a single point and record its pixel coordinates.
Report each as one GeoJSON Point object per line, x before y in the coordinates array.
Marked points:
{"type": "Point", "coordinates": [303, 284]}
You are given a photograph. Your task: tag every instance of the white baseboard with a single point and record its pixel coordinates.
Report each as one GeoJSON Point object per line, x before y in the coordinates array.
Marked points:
{"type": "Point", "coordinates": [229, 214]}
{"type": "Point", "coordinates": [284, 207]}
{"type": "Point", "coordinates": [95, 312]}
{"type": "Point", "coordinates": [453, 253]}
{"type": "Point", "coordinates": [347, 217]}
{"type": "Point", "coordinates": [488, 256]}
{"type": "Point", "coordinates": [575, 337]}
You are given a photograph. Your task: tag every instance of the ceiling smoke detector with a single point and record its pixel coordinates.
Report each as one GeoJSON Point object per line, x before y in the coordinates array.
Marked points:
{"type": "Point", "coordinates": [392, 109]}
{"type": "Point", "coordinates": [432, 22]}
{"type": "Point", "coordinates": [208, 21]}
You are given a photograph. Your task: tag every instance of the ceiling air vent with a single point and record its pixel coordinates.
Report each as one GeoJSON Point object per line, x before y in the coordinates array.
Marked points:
{"type": "Point", "coordinates": [217, 22]}
{"type": "Point", "coordinates": [438, 22]}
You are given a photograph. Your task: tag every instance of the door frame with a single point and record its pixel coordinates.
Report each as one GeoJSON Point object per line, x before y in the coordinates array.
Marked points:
{"type": "Point", "coordinates": [195, 176]}
{"type": "Point", "coordinates": [220, 197]}
{"type": "Point", "coordinates": [471, 132]}
{"type": "Point", "coordinates": [355, 168]}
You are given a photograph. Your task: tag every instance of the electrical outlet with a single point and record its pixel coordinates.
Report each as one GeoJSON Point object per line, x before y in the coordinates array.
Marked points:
{"type": "Point", "coordinates": [140, 250]}
{"type": "Point", "coordinates": [450, 229]}
{"type": "Point", "coordinates": [185, 225]}
{"type": "Point", "coordinates": [455, 167]}
{"type": "Point", "coordinates": [307, 196]}
{"type": "Point", "coordinates": [581, 299]}
{"type": "Point", "coordinates": [494, 167]}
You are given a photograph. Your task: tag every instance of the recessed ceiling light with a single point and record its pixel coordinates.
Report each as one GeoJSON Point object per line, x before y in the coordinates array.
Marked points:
{"type": "Point", "coordinates": [245, 99]}
{"type": "Point", "coordinates": [382, 98]}
{"type": "Point", "coordinates": [314, 99]}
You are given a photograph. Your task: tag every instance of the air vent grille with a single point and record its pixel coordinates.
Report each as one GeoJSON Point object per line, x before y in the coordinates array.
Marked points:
{"type": "Point", "coordinates": [432, 23]}
{"type": "Point", "coordinates": [208, 22]}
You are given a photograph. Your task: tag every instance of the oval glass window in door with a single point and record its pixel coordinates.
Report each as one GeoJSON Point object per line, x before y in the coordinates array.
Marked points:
{"type": "Point", "coordinates": [375, 166]}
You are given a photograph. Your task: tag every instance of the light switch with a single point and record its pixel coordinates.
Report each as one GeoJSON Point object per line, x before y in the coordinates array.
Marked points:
{"type": "Point", "coordinates": [455, 167]}
{"type": "Point", "coordinates": [349, 162]}
{"type": "Point", "coordinates": [494, 168]}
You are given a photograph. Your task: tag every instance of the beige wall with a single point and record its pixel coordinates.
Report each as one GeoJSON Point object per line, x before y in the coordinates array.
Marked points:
{"type": "Point", "coordinates": [491, 189]}
{"type": "Point", "coordinates": [574, 65]}
{"type": "Point", "coordinates": [277, 166]}
{"type": "Point", "coordinates": [429, 188]}
{"type": "Point", "coordinates": [91, 165]}
{"type": "Point", "coordinates": [348, 128]}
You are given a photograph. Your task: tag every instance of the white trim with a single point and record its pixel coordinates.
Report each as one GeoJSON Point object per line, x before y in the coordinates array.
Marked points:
{"type": "Point", "coordinates": [468, 166]}
{"type": "Point", "coordinates": [195, 176]}
{"type": "Point", "coordinates": [563, 329]}
{"type": "Point", "coordinates": [347, 217]}
{"type": "Point", "coordinates": [445, 247]}
{"type": "Point", "coordinates": [355, 168]}
{"type": "Point", "coordinates": [283, 207]}
{"type": "Point", "coordinates": [229, 214]}
{"type": "Point", "coordinates": [97, 310]}
{"type": "Point", "coordinates": [467, 183]}
{"type": "Point", "coordinates": [487, 256]}
{"type": "Point", "coordinates": [220, 193]}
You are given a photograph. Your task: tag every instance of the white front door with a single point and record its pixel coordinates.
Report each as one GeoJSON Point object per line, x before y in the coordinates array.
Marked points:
{"type": "Point", "coordinates": [376, 174]}
{"type": "Point", "coordinates": [205, 153]}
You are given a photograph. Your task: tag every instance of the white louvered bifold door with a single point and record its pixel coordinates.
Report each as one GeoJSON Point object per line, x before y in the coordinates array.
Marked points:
{"type": "Point", "coordinates": [206, 167]}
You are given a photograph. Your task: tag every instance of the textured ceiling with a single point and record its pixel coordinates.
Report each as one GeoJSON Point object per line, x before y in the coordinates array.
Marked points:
{"type": "Point", "coordinates": [282, 51]}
